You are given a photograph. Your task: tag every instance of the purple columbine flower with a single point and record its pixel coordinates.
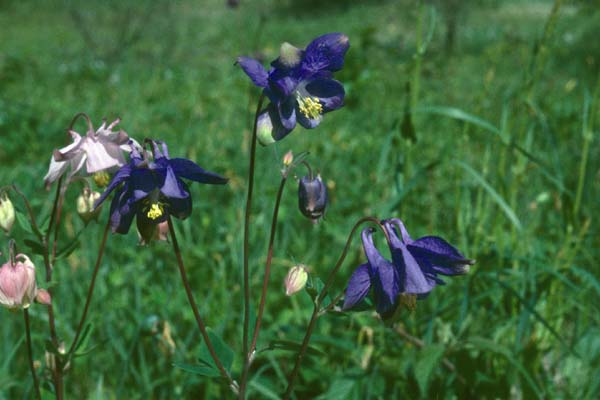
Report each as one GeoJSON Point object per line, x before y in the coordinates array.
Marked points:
{"type": "Point", "coordinates": [299, 85]}
{"type": "Point", "coordinates": [413, 271]}
{"type": "Point", "coordinates": [152, 190]}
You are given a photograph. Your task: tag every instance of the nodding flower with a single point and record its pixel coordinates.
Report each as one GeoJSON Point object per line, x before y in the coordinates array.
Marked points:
{"type": "Point", "coordinates": [413, 271]}
{"type": "Point", "coordinates": [97, 151]}
{"type": "Point", "coordinates": [153, 189]}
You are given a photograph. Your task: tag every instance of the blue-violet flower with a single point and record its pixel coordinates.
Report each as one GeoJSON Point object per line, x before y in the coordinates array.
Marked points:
{"type": "Point", "coordinates": [153, 190]}
{"type": "Point", "coordinates": [413, 271]}
{"type": "Point", "coordinates": [299, 85]}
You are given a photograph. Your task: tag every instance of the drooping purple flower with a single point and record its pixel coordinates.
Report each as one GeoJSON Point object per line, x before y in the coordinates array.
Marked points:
{"type": "Point", "coordinates": [152, 190]}
{"type": "Point", "coordinates": [299, 85]}
{"type": "Point", "coordinates": [413, 271]}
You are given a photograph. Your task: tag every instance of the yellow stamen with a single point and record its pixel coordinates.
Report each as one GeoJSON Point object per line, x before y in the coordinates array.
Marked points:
{"type": "Point", "coordinates": [310, 107]}
{"type": "Point", "coordinates": [156, 211]}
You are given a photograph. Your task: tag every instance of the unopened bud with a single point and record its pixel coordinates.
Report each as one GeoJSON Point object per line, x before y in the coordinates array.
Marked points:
{"type": "Point", "coordinates": [101, 179]}
{"type": "Point", "coordinates": [312, 197]}
{"type": "Point", "coordinates": [17, 283]}
{"type": "Point", "coordinates": [85, 205]}
{"type": "Point", "coordinates": [7, 213]}
{"type": "Point", "coordinates": [288, 159]}
{"type": "Point", "coordinates": [296, 279]}
{"type": "Point", "coordinates": [43, 297]}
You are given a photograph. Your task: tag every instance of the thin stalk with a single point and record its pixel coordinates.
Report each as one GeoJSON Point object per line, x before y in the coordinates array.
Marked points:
{"type": "Point", "coordinates": [246, 251]}
{"type": "Point", "coordinates": [90, 292]}
{"type": "Point", "coordinates": [319, 301]}
{"type": "Point", "coordinates": [190, 296]}
{"type": "Point", "coordinates": [268, 263]}
{"type": "Point", "coordinates": [36, 383]}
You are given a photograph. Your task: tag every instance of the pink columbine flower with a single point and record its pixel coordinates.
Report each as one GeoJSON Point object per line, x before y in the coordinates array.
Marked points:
{"type": "Point", "coordinates": [17, 284]}
{"type": "Point", "coordinates": [97, 151]}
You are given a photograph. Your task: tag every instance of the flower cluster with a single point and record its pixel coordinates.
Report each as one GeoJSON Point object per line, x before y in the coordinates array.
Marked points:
{"type": "Point", "coordinates": [413, 271]}
{"type": "Point", "coordinates": [299, 85]}
{"type": "Point", "coordinates": [153, 190]}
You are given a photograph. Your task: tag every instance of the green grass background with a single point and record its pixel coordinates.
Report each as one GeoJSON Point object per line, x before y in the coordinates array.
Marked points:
{"type": "Point", "coordinates": [502, 123]}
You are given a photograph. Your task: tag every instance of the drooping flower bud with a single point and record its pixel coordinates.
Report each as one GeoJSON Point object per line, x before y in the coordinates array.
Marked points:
{"type": "Point", "coordinates": [43, 297]}
{"type": "Point", "coordinates": [7, 213]}
{"type": "Point", "coordinates": [17, 283]}
{"type": "Point", "coordinates": [85, 205]}
{"type": "Point", "coordinates": [288, 158]}
{"type": "Point", "coordinates": [295, 279]}
{"type": "Point", "coordinates": [312, 197]}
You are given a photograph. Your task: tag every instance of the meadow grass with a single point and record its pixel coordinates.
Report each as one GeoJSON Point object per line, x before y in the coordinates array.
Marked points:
{"type": "Point", "coordinates": [504, 166]}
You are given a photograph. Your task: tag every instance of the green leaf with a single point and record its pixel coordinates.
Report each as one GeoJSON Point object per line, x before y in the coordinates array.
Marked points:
{"type": "Point", "coordinates": [36, 247]}
{"type": "Point", "coordinates": [24, 222]}
{"type": "Point", "coordinates": [429, 358]}
{"type": "Point", "coordinates": [222, 350]}
{"type": "Point", "coordinates": [203, 370]}
{"type": "Point", "coordinates": [497, 348]}
{"type": "Point", "coordinates": [291, 346]}
{"type": "Point", "coordinates": [340, 389]}
{"type": "Point", "coordinates": [492, 192]}
{"type": "Point", "coordinates": [84, 338]}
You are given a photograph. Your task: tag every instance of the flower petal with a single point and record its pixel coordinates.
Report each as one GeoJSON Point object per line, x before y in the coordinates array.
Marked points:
{"type": "Point", "coordinates": [386, 287]}
{"type": "Point", "coordinates": [444, 258]}
{"type": "Point", "coordinates": [329, 92]}
{"type": "Point", "coordinates": [287, 112]}
{"type": "Point", "coordinates": [173, 186]}
{"type": "Point", "coordinates": [358, 286]}
{"type": "Point", "coordinates": [326, 52]}
{"type": "Point", "coordinates": [269, 127]}
{"type": "Point", "coordinates": [55, 171]}
{"type": "Point", "coordinates": [254, 70]}
{"type": "Point", "coordinates": [308, 123]}
{"type": "Point", "coordinates": [121, 212]}
{"type": "Point", "coordinates": [122, 174]}
{"type": "Point", "coordinates": [187, 169]}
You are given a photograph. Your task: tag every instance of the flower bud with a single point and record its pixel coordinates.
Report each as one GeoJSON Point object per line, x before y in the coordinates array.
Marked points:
{"type": "Point", "coordinates": [7, 213]}
{"type": "Point", "coordinates": [85, 205]}
{"type": "Point", "coordinates": [288, 159]}
{"type": "Point", "coordinates": [296, 279]}
{"type": "Point", "coordinates": [17, 283]}
{"type": "Point", "coordinates": [43, 297]}
{"type": "Point", "coordinates": [312, 197]}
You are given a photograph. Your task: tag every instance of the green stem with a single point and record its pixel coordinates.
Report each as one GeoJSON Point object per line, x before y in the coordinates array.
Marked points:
{"type": "Point", "coordinates": [319, 301]}
{"type": "Point", "coordinates": [246, 278]}
{"type": "Point", "coordinates": [90, 292]}
{"type": "Point", "coordinates": [199, 321]}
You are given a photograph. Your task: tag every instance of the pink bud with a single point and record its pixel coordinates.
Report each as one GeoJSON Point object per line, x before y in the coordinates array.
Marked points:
{"type": "Point", "coordinates": [43, 297]}
{"type": "Point", "coordinates": [17, 283]}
